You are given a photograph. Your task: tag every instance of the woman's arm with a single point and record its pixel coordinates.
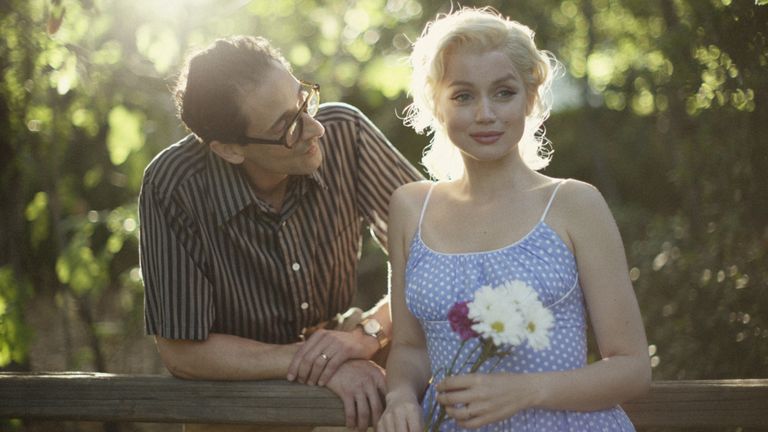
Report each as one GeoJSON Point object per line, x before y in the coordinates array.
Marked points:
{"type": "Point", "coordinates": [408, 370]}
{"type": "Point", "coordinates": [624, 369]}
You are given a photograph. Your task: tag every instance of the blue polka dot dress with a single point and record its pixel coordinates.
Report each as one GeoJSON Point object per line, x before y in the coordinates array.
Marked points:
{"type": "Point", "coordinates": [435, 281]}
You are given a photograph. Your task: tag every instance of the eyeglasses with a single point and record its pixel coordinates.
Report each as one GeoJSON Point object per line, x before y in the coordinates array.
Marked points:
{"type": "Point", "coordinates": [292, 134]}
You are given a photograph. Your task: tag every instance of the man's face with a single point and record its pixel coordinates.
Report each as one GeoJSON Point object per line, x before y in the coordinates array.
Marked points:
{"type": "Point", "coordinates": [270, 107]}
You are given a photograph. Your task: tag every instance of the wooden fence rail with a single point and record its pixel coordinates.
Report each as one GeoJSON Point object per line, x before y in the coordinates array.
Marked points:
{"type": "Point", "coordinates": [153, 398]}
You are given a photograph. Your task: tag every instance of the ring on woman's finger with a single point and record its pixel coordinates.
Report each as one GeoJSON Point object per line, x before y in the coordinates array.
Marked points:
{"type": "Point", "coordinates": [323, 356]}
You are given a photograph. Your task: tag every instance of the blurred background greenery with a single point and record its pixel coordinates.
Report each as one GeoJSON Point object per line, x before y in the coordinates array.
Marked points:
{"type": "Point", "coordinates": [663, 106]}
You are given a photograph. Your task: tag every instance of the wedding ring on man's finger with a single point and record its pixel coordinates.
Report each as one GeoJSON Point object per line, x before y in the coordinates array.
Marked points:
{"type": "Point", "coordinates": [323, 356]}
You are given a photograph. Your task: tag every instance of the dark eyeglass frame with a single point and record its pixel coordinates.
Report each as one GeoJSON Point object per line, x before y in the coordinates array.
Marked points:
{"type": "Point", "coordinates": [314, 91]}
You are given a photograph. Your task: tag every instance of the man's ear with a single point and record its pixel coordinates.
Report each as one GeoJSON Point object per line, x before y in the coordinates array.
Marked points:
{"type": "Point", "coordinates": [232, 153]}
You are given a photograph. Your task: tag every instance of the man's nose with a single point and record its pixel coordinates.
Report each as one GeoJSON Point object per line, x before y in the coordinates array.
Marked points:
{"type": "Point", "coordinates": [312, 127]}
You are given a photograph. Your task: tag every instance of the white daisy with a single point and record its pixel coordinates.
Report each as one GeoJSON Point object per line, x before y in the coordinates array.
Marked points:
{"type": "Point", "coordinates": [539, 321]}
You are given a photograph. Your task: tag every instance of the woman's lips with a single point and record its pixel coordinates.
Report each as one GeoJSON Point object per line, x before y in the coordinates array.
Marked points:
{"type": "Point", "coordinates": [486, 137]}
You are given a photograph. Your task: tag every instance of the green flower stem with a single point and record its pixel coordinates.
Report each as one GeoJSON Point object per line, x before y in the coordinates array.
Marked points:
{"type": "Point", "coordinates": [456, 357]}
{"type": "Point", "coordinates": [469, 357]}
{"type": "Point", "coordinates": [488, 350]}
{"type": "Point", "coordinates": [499, 356]}
{"type": "Point", "coordinates": [435, 425]}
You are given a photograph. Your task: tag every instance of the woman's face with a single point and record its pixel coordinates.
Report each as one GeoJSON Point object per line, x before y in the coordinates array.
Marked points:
{"type": "Point", "coordinates": [481, 103]}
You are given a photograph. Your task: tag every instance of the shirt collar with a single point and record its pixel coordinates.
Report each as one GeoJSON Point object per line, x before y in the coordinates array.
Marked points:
{"type": "Point", "coordinates": [231, 193]}
{"type": "Point", "coordinates": [229, 190]}
{"type": "Point", "coordinates": [318, 179]}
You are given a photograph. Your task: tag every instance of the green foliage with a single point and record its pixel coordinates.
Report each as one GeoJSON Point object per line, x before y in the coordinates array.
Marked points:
{"type": "Point", "coordinates": [679, 161]}
{"type": "Point", "coordinates": [667, 115]}
{"type": "Point", "coordinates": [13, 335]}
{"type": "Point", "coordinates": [125, 134]}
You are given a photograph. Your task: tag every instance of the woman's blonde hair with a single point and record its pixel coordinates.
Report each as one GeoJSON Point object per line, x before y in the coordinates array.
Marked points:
{"type": "Point", "coordinates": [483, 29]}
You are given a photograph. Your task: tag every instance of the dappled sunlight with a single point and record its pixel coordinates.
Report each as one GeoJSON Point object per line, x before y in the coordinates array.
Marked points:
{"type": "Point", "coordinates": [659, 107]}
{"type": "Point", "coordinates": [170, 9]}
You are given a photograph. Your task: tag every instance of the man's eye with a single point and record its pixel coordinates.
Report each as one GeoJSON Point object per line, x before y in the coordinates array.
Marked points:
{"type": "Point", "coordinates": [279, 128]}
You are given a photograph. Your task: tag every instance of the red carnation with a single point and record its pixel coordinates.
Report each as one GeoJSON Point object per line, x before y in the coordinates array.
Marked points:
{"type": "Point", "coordinates": [460, 323]}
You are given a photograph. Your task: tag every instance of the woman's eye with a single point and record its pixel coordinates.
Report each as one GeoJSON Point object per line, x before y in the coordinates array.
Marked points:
{"type": "Point", "coordinates": [461, 97]}
{"type": "Point", "coordinates": [506, 93]}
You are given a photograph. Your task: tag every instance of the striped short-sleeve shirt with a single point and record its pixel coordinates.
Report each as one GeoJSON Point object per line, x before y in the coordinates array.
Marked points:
{"type": "Point", "coordinates": [215, 258]}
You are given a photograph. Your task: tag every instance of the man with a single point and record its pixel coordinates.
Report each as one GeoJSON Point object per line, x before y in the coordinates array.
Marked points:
{"type": "Point", "coordinates": [251, 229]}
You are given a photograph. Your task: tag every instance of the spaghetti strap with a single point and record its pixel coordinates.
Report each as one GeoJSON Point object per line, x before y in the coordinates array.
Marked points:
{"type": "Point", "coordinates": [424, 206]}
{"type": "Point", "coordinates": [551, 198]}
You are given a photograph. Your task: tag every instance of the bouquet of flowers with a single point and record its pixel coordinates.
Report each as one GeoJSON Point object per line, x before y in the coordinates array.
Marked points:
{"type": "Point", "coordinates": [502, 317]}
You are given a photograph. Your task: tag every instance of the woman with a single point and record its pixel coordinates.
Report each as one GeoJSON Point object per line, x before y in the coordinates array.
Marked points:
{"type": "Point", "coordinates": [479, 86]}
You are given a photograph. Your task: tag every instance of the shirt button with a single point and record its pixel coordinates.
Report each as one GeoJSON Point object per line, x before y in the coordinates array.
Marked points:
{"type": "Point", "coordinates": [305, 305]}
{"type": "Point", "coordinates": [296, 266]}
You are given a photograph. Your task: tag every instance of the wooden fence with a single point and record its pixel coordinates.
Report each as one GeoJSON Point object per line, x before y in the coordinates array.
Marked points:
{"type": "Point", "coordinates": [154, 398]}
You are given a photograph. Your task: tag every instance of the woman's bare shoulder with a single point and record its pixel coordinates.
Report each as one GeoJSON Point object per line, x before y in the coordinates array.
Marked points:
{"type": "Point", "coordinates": [582, 197]}
{"type": "Point", "coordinates": [581, 208]}
{"type": "Point", "coordinates": [410, 195]}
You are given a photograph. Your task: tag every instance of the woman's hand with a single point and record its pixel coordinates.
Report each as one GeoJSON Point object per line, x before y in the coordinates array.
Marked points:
{"type": "Point", "coordinates": [325, 351]}
{"type": "Point", "coordinates": [403, 414]}
{"type": "Point", "coordinates": [476, 400]}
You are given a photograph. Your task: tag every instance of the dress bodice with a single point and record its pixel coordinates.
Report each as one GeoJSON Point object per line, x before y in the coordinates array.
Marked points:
{"type": "Point", "coordinates": [435, 281]}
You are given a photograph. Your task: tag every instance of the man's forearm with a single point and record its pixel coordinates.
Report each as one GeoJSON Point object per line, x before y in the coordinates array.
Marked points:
{"type": "Point", "coordinates": [225, 357]}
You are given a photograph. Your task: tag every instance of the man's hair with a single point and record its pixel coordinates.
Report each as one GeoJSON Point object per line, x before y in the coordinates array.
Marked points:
{"type": "Point", "coordinates": [213, 80]}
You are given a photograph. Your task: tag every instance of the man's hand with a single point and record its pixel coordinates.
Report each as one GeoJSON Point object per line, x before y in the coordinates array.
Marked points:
{"type": "Point", "coordinates": [320, 357]}
{"type": "Point", "coordinates": [360, 384]}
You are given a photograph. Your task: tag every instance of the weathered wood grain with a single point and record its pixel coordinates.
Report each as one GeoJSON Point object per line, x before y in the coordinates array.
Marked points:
{"type": "Point", "coordinates": [132, 398]}
{"type": "Point", "coordinates": [713, 403]}
{"type": "Point", "coordinates": [150, 398]}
